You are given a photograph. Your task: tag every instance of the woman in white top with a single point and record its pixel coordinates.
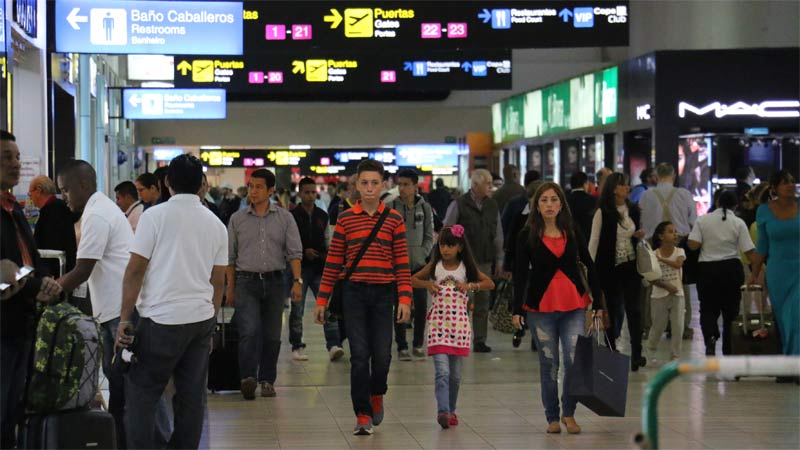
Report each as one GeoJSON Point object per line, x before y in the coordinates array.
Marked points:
{"type": "Point", "coordinates": [615, 231]}
{"type": "Point", "coordinates": [720, 236]}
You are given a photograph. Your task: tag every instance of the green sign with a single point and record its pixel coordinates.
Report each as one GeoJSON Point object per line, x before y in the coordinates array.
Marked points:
{"type": "Point", "coordinates": [162, 141]}
{"type": "Point", "coordinates": [582, 102]}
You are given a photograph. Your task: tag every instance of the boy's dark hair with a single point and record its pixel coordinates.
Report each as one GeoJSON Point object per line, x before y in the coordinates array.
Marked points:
{"type": "Point", "coordinates": [161, 174]}
{"type": "Point", "coordinates": [266, 175]}
{"type": "Point", "coordinates": [646, 172]}
{"type": "Point", "coordinates": [660, 228]}
{"type": "Point", "coordinates": [446, 237]}
{"type": "Point", "coordinates": [147, 180]}
{"type": "Point", "coordinates": [6, 136]}
{"type": "Point", "coordinates": [411, 174]}
{"type": "Point", "coordinates": [306, 181]}
{"type": "Point", "coordinates": [531, 176]}
{"type": "Point", "coordinates": [127, 188]}
{"type": "Point", "coordinates": [185, 174]}
{"type": "Point", "coordinates": [370, 165]}
{"type": "Point", "coordinates": [578, 179]}
{"type": "Point", "coordinates": [440, 182]}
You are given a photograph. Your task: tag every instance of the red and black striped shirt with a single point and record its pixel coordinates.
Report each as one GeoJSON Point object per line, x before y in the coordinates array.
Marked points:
{"type": "Point", "coordinates": [386, 259]}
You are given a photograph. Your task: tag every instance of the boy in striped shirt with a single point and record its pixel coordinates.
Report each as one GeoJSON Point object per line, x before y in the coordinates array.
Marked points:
{"type": "Point", "coordinates": [368, 297]}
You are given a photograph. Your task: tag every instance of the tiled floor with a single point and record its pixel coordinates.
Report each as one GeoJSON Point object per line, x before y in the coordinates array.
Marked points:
{"type": "Point", "coordinates": [499, 407]}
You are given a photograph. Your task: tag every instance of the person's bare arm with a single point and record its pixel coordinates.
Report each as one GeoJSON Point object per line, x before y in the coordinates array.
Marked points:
{"type": "Point", "coordinates": [78, 275]}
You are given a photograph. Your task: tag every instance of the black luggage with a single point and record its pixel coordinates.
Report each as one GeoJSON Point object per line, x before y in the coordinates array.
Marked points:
{"type": "Point", "coordinates": [223, 363]}
{"type": "Point", "coordinates": [81, 428]}
{"type": "Point", "coordinates": [755, 333]}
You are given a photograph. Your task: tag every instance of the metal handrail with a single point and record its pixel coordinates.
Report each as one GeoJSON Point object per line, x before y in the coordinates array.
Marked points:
{"type": "Point", "coordinates": [728, 366]}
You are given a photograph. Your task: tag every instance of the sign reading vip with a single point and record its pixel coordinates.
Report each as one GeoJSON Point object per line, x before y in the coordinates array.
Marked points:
{"type": "Point", "coordinates": [336, 72]}
{"type": "Point", "coordinates": [173, 103]}
{"type": "Point", "coordinates": [432, 24]}
{"type": "Point", "coordinates": [149, 27]}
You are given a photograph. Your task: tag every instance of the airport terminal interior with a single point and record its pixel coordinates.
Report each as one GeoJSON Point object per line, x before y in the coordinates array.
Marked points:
{"type": "Point", "coordinates": [459, 109]}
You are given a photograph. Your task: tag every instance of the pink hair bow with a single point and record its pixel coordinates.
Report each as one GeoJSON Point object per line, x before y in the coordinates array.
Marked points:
{"type": "Point", "coordinates": [457, 230]}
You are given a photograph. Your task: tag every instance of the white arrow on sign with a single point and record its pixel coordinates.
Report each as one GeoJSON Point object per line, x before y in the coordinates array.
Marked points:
{"type": "Point", "coordinates": [135, 100]}
{"type": "Point", "coordinates": [74, 19]}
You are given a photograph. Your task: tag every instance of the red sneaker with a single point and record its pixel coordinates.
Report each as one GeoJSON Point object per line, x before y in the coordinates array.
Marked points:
{"type": "Point", "coordinates": [363, 425]}
{"type": "Point", "coordinates": [377, 409]}
{"type": "Point", "coordinates": [444, 420]}
{"type": "Point", "coordinates": [453, 419]}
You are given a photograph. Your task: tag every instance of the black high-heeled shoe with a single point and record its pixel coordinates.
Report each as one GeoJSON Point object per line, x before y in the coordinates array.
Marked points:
{"type": "Point", "coordinates": [517, 339]}
{"type": "Point", "coordinates": [636, 363]}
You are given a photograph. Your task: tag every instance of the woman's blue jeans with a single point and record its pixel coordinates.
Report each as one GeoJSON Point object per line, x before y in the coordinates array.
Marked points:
{"type": "Point", "coordinates": [549, 329]}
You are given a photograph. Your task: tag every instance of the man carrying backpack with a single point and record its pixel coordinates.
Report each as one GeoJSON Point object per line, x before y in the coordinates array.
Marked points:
{"type": "Point", "coordinates": [106, 237]}
{"type": "Point", "coordinates": [17, 249]}
{"type": "Point", "coordinates": [667, 202]}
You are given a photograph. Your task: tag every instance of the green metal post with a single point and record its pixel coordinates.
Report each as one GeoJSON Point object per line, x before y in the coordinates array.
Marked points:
{"type": "Point", "coordinates": [650, 402]}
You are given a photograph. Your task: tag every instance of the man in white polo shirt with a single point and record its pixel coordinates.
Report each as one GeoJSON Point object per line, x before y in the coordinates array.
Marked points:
{"type": "Point", "coordinates": [177, 263]}
{"type": "Point", "coordinates": [102, 256]}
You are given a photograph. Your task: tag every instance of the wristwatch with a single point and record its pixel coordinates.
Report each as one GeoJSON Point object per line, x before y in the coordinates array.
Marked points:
{"type": "Point", "coordinates": [298, 280]}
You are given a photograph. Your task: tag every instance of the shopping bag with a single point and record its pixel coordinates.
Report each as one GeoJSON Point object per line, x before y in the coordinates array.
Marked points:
{"type": "Point", "coordinates": [598, 378]}
{"type": "Point", "coordinates": [646, 262]}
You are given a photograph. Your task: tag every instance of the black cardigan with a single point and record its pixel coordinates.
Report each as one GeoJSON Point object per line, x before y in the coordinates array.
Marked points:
{"type": "Point", "coordinates": [535, 266]}
{"type": "Point", "coordinates": [607, 247]}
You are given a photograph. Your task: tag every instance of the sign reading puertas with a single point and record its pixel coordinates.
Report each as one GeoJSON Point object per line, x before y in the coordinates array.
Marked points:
{"type": "Point", "coordinates": [149, 27]}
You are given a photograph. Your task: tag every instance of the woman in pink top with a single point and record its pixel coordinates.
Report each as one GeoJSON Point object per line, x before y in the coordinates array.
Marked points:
{"type": "Point", "coordinates": [450, 276]}
{"type": "Point", "coordinates": [548, 290]}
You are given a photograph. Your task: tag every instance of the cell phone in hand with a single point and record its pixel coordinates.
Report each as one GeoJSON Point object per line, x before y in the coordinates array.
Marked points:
{"type": "Point", "coordinates": [23, 272]}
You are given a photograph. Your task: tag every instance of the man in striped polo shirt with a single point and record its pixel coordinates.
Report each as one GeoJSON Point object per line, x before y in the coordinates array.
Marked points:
{"type": "Point", "coordinates": [368, 296]}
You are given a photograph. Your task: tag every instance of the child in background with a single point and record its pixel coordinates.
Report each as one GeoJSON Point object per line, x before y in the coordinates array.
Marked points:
{"type": "Point", "coordinates": [666, 301]}
{"type": "Point", "coordinates": [449, 277]}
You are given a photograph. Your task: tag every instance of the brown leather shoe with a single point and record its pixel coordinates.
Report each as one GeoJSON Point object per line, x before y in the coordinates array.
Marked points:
{"type": "Point", "coordinates": [553, 428]}
{"type": "Point", "coordinates": [267, 389]}
{"type": "Point", "coordinates": [572, 426]}
{"type": "Point", "coordinates": [248, 388]}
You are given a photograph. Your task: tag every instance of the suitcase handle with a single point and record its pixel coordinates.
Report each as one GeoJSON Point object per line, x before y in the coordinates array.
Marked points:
{"type": "Point", "coordinates": [749, 289]}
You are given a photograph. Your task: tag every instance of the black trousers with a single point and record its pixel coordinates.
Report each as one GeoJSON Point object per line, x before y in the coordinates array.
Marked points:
{"type": "Point", "coordinates": [718, 286]}
{"type": "Point", "coordinates": [623, 296]}
{"type": "Point", "coordinates": [419, 314]}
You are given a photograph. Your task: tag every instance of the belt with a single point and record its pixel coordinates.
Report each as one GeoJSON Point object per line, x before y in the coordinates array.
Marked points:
{"type": "Point", "coordinates": [260, 275]}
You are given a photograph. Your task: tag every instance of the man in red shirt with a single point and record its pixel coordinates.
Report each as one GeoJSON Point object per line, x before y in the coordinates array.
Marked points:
{"type": "Point", "coordinates": [368, 296]}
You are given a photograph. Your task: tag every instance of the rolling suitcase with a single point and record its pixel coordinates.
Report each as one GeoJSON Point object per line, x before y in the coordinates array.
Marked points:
{"type": "Point", "coordinates": [74, 429]}
{"type": "Point", "coordinates": [223, 363]}
{"type": "Point", "coordinates": [755, 334]}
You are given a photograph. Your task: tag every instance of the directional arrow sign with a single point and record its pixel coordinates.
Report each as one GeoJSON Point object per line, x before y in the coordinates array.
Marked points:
{"type": "Point", "coordinates": [466, 66]}
{"type": "Point", "coordinates": [335, 18]}
{"type": "Point", "coordinates": [407, 66]}
{"type": "Point", "coordinates": [74, 19]}
{"type": "Point", "coordinates": [184, 67]}
{"type": "Point", "coordinates": [485, 15]}
{"type": "Point", "coordinates": [565, 14]}
{"type": "Point", "coordinates": [298, 67]}
{"type": "Point", "coordinates": [173, 103]}
{"type": "Point", "coordinates": [149, 27]}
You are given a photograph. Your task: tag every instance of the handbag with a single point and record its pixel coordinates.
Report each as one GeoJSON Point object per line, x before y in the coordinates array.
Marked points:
{"type": "Point", "coordinates": [598, 377]}
{"type": "Point", "coordinates": [500, 315]}
{"type": "Point", "coordinates": [335, 299]}
{"type": "Point", "coordinates": [647, 262]}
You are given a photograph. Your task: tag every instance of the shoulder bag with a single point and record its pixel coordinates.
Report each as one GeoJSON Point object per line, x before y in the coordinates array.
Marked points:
{"type": "Point", "coordinates": [335, 300]}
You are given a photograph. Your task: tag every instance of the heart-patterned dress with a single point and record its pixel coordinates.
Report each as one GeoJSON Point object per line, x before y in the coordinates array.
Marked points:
{"type": "Point", "coordinates": [448, 328]}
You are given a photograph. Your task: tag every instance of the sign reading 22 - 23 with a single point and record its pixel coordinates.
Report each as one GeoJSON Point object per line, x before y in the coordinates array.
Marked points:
{"type": "Point", "coordinates": [149, 27]}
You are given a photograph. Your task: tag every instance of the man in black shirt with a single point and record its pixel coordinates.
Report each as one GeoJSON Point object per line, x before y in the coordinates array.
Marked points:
{"type": "Point", "coordinates": [17, 249]}
{"type": "Point", "coordinates": [312, 223]}
{"type": "Point", "coordinates": [581, 204]}
{"type": "Point", "coordinates": [55, 228]}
